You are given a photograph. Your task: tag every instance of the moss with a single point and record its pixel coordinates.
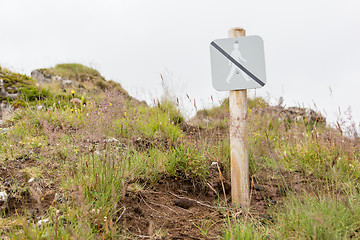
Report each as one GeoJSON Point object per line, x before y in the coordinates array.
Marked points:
{"type": "Point", "coordinates": [31, 93]}
{"type": "Point", "coordinates": [10, 79]}
{"type": "Point", "coordinates": [18, 103]}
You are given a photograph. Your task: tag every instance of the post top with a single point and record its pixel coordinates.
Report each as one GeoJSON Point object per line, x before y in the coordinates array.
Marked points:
{"type": "Point", "coordinates": [237, 29]}
{"type": "Point", "coordinates": [236, 32]}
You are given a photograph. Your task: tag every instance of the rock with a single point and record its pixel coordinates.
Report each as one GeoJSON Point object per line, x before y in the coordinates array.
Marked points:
{"type": "Point", "coordinates": [40, 107]}
{"type": "Point", "coordinates": [76, 101]}
{"type": "Point", "coordinates": [68, 83]}
{"type": "Point", "coordinates": [112, 139]}
{"type": "Point", "coordinates": [7, 91]}
{"type": "Point", "coordinates": [184, 203]}
{"type": "Point", "coordinates": [258, 187]}
{"type": "Point", "coordinates": [5, 111]}
{"type": "Point", "coordinates": [43, 222]}
{"type": "Point", "coordinates": [42, 78]}
{"type": "Point", "coordinates": [3, 199]}
{"type": "Point", "coordinates": [293, 114]}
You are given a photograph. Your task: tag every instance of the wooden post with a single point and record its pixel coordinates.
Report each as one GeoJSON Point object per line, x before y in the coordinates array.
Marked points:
{"type": "Point", "coordinates": [240, 189]}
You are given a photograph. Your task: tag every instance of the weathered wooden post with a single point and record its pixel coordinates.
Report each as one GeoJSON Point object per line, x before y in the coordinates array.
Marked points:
{"type": "Point", "coordinates": [240, 188]}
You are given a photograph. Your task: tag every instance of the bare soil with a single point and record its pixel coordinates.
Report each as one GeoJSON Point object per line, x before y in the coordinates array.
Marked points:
{"type": "Point", "coordinates": [177, 209]}
{"type": "Point", "coordinates": [173, 209]}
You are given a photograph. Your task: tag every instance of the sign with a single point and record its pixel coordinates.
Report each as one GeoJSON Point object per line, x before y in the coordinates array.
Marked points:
{"type": "Point", "coordinates": [238, 63]}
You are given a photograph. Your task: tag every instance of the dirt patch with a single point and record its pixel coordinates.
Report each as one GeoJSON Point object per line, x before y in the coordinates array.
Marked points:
{"type": "Point", "coordinates": [173, 209]}
{"type": "Point", "coordinates": [268, 190]}
{"type": "Point", "coordinates": [176, 209]}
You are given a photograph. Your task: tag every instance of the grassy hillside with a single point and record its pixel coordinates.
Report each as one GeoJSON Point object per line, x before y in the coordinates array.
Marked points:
{"type": "Point", "coordinates": [106, 168]}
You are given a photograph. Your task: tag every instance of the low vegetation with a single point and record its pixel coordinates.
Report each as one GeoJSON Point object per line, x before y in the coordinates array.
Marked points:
{"type": "Point", "coordinates": [108, 167]}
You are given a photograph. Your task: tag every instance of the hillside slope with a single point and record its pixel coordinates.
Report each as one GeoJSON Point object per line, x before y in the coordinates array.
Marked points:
{"type": "Point", "coordinates": [81, 161]}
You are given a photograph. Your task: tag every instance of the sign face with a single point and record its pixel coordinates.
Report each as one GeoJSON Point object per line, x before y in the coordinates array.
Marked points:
{"type": "Point", "coordinates": [238, 63]}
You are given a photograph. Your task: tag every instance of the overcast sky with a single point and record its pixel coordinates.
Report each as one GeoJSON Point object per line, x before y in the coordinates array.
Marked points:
{"type": "Point", "coordinates": [310, 46]}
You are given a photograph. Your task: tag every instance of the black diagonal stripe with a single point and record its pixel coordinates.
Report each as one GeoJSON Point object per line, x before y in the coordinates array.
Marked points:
{"type": "Point", "coordinates": [237, 64]}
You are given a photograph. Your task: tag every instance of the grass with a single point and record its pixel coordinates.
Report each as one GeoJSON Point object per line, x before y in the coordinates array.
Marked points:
{"type": "Point", "coordinates": [96, 153]}
{"type": "Point", "coordinates": [248, 229]}
{"type": "Point", "coordinates": [309, 216]}
{"type": "Point", "coordinates": [319, 217]}
{"type": "Point", "coordinates": [327, 161]}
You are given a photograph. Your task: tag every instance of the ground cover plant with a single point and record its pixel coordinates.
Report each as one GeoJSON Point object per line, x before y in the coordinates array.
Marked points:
{"type": "Point", "coordinates": [89, 162]}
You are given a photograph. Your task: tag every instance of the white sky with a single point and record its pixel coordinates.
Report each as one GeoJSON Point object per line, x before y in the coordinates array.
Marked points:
{"type": "Point", "coordinates": [310, 46]}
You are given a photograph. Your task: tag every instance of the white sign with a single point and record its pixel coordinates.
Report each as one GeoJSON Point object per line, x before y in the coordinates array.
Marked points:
{"type": "Point", "coordinates": [238, 63]}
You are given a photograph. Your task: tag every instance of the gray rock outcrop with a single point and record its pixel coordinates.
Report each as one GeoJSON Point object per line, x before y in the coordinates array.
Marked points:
{"type": "Point", "coordinates": [294, 114]}
{"type": "Point", "coordinates": [42, 78]}
{"type": "Point", "coordinates": [5, 111]}
{"type": "Point", "coordinates": [7, 91]}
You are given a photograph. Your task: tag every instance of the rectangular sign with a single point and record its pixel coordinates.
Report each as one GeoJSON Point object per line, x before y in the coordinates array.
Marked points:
{"type": "Point", "coordinates": [238, 63]}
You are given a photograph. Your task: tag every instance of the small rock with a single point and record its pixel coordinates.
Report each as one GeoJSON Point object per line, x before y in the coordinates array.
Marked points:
{"type": "Point", "coordinates": [3, 196]}
{"type": "Point", "coordinates": [40, 107]}
{"type": "Point", "coordinates": [184, 203]}
{"type": "Point", "coordinates": [42, 222]}
{"type": "Point", "coordinates": [258, 187]}
{"type": "Point", "coordinates": [112, 139]}
{"type": "Point", "coordinates": [76, 101]}
{"type": "Point", "coordinates": [31, 180]}
{"type": "Point", "coordinates": [3, 199]}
